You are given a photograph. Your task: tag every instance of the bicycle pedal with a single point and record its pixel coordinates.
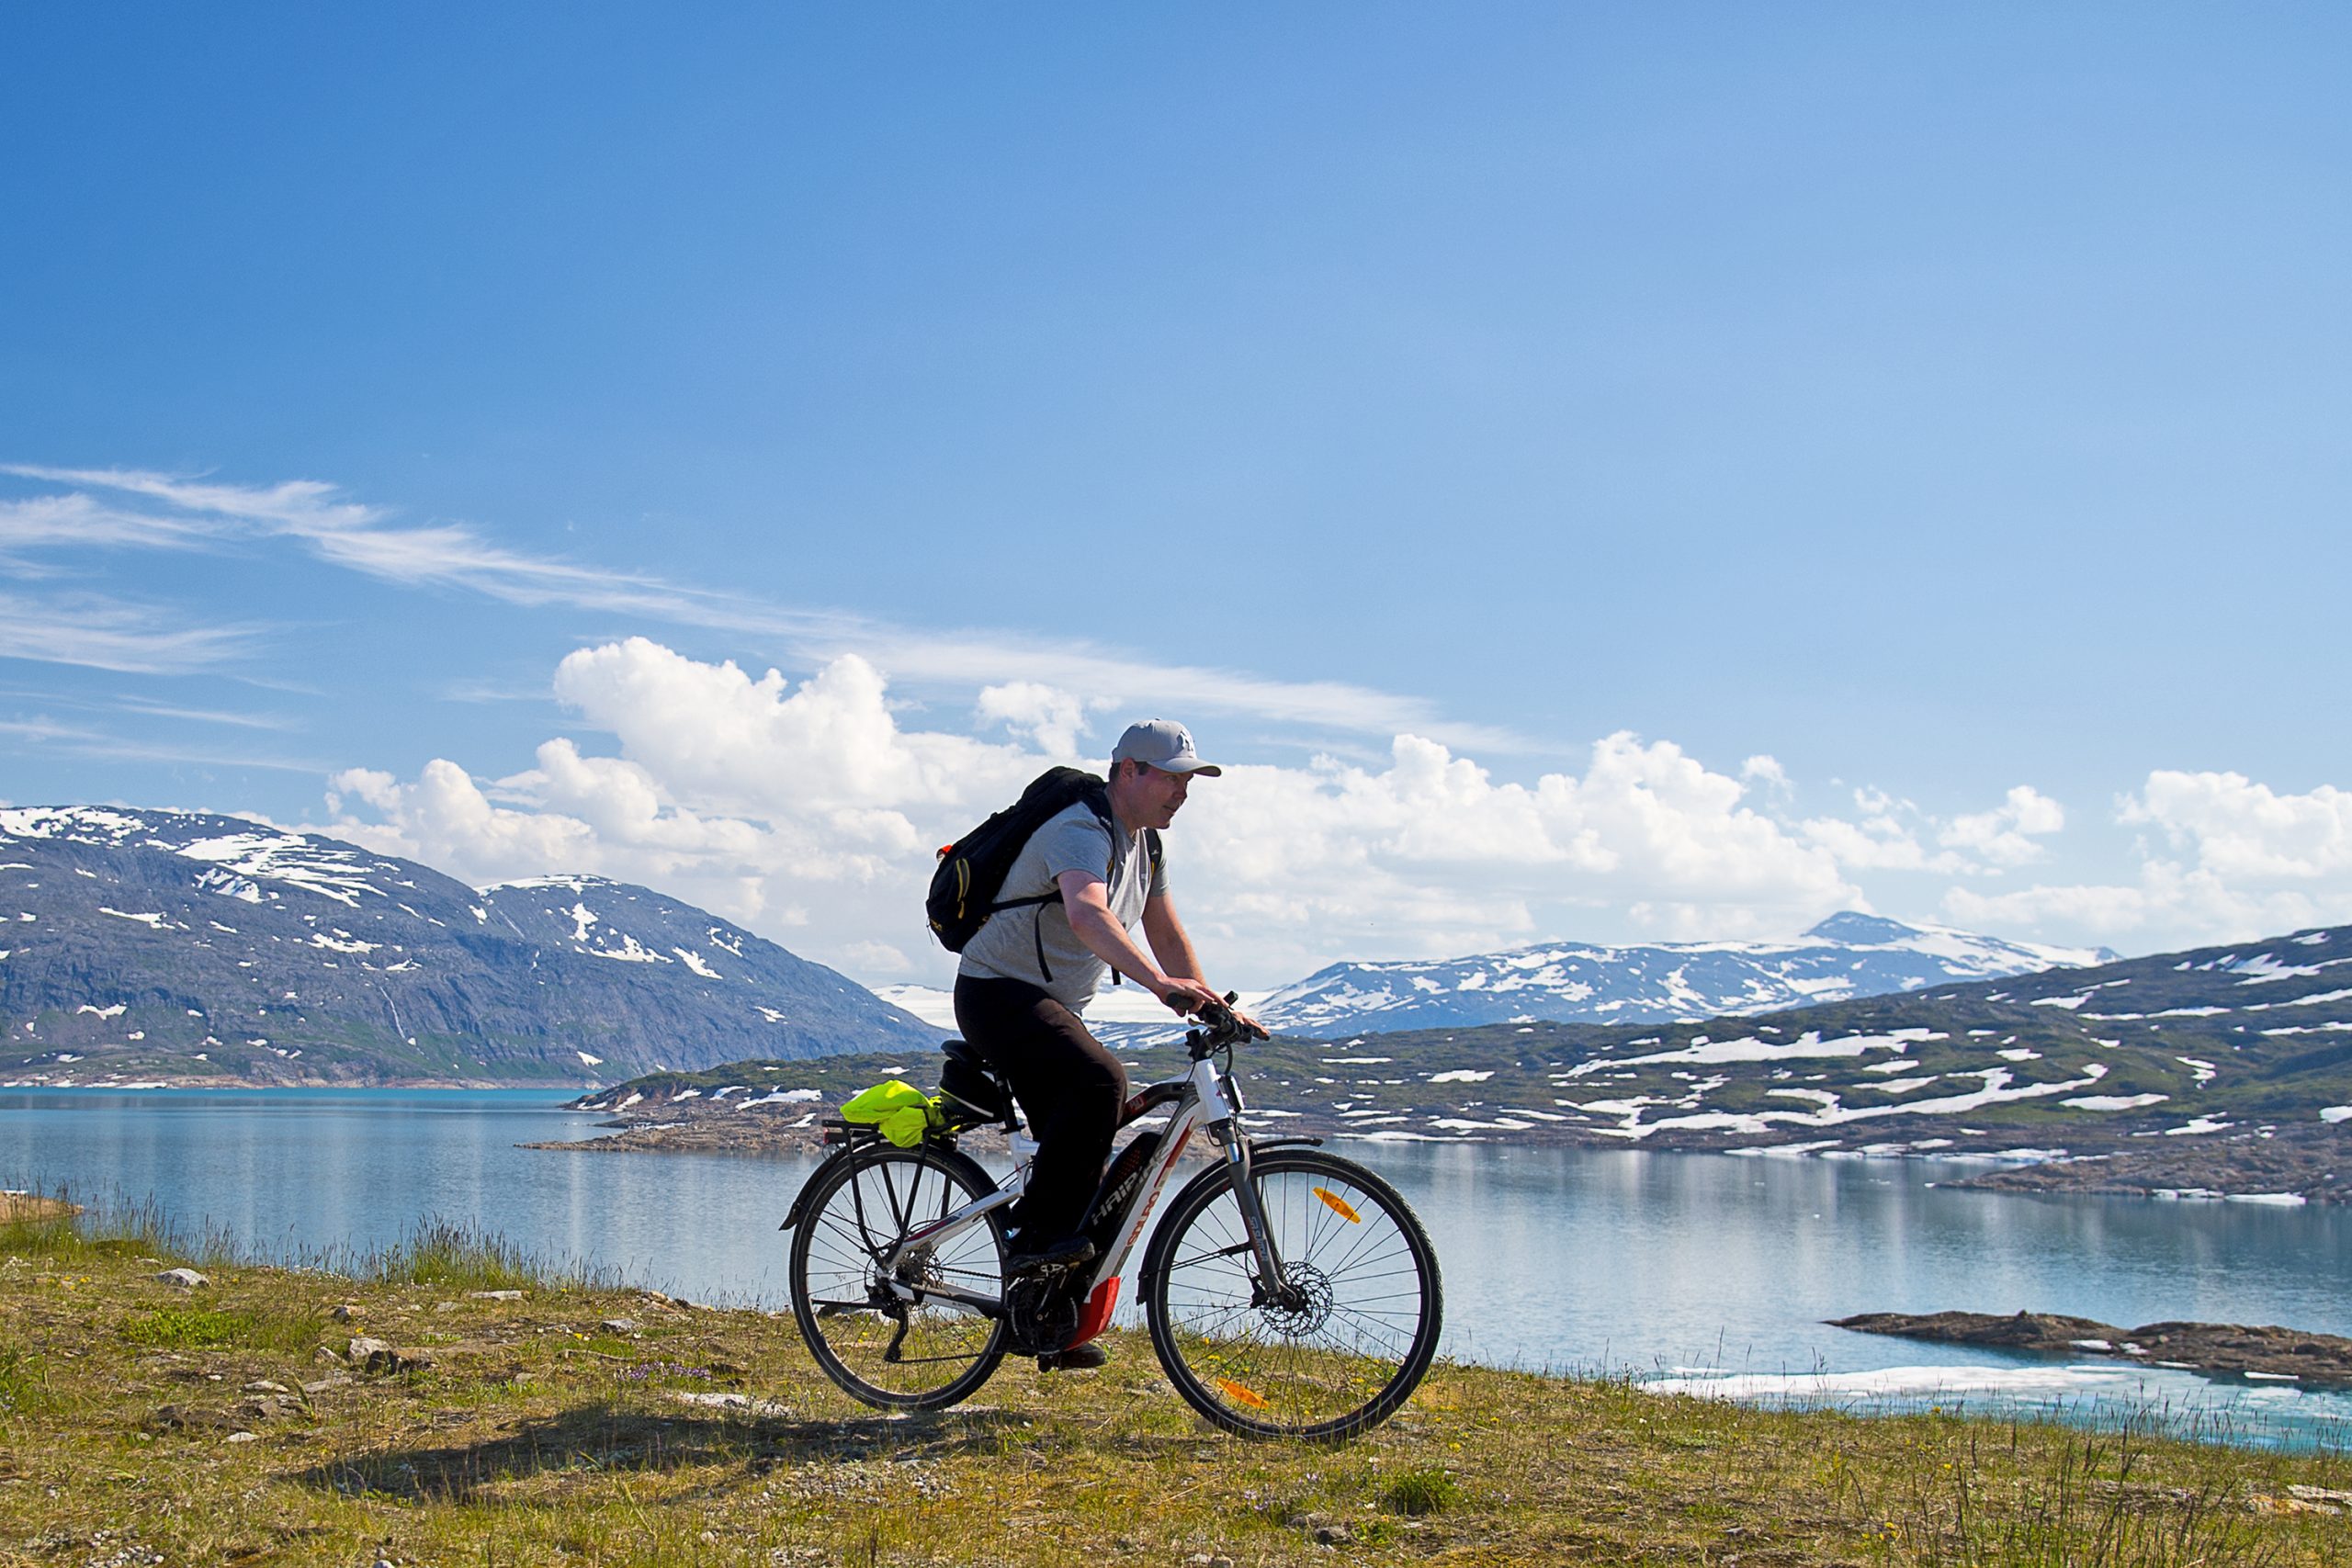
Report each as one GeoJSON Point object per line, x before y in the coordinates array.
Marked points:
{"type": "Point", "coordinates": [1077, 1358]}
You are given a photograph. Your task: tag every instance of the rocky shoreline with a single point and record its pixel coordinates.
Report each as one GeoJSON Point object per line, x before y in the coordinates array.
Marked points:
{"type": "Point", "coordinates": [2215, 1349]}
{"type": "Point", "coordinates": [2288, 1165]}
{"type": "Point", "coordinates": [2284, 1163]}
{"type": "Point", "coordinates": [744, 1132]}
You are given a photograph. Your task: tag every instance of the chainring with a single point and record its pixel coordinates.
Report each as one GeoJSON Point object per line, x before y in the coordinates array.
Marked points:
{"type": "Point", "coordinates": [1042, 1312]}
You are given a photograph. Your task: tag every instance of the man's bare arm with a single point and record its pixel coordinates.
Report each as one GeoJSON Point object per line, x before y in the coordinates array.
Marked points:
{"type": "Point", "coordinates": [1092, 923]}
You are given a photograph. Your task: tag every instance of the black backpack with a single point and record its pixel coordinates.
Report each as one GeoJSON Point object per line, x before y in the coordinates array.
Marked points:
{"type": "Point", "coordinates": [971, 871]}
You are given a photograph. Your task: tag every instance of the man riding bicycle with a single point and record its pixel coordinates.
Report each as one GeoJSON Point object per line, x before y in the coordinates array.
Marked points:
{"type": "Point", "coordinates": [1030, 971]}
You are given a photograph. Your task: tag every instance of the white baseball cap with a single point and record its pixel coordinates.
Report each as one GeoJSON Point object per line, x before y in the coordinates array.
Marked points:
{"type": "Point", "coordinates": [1164, 744]}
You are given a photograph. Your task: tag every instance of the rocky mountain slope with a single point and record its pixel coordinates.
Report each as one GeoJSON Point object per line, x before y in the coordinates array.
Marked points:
{"type": "Point", "coordinates": [171, 946]}
{"type": "Point", "coordinates": [2223, 1071]}
{"type": "Point", "coordinates": [1845, 956]}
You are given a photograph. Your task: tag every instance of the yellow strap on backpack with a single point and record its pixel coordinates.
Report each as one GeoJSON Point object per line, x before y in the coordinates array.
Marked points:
{"type": "Point", "coordinates": [897, 1109]}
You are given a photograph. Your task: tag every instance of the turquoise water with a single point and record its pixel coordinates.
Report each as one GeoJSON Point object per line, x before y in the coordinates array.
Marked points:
{"type": "Point", "coordinates": [1705, 1274]}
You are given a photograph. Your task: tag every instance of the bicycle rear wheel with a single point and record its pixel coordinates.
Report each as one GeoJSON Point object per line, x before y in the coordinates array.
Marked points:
{"type": "Point", "coordinates": [890, 1352]}
{"type": "Point", "coordinates": [1346, 1338]}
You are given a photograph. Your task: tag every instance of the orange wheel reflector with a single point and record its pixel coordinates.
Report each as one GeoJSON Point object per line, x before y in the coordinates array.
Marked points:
{"type": "Point", "coordinates": [1340, 1206]}
{"type": "Point", "coordinates": [1241, 1395]}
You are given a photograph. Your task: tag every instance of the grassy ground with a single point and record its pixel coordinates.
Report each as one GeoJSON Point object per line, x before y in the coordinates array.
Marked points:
{"type": "Point", "coordinates": [569, 1422]}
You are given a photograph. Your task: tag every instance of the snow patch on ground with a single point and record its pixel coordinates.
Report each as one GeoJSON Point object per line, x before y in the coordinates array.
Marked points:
{"type": "Point", "coordinates": [342, 942]}
{"type": "Point", "coordinates": [1893, 1382]}
{"type": "Point", "coordinates": [929, 1003]}
{"type": "Point", "coordinates": [784, 1097]}
{"type": "Point", "coordinates": [2266, 968]}
{"type": "Point", "coordinates": [290, 858]}
{"type": "Point", "coordinates": [1997, 1090]}
{"type": "Point", "coordinates": [630, 951]}
{"type": "Point", "coordinates": [1748, 1048]}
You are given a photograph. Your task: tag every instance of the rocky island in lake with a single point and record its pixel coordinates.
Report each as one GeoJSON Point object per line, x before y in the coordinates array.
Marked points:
{"type": "Point", "coordinates": [2225, 1349]}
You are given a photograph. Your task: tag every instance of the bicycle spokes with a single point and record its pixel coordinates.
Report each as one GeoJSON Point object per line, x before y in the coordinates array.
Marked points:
{"type": "Point", "coordinates": [1335, 1338]}
{"type": "Point", "coordinates": [884, 1291]}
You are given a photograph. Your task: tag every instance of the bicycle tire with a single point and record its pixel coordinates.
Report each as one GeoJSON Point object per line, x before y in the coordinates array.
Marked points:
{"type": "Point", "coordinates": [885, 1352]}
{"type": "Point", "coordinates": [1324, 1369]}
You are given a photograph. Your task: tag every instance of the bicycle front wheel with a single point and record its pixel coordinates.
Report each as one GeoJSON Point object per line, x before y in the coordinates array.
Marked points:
{"type": "Point", "coordinates": [850, 1275]}
{"type": "Point", "coordinates": [1339, 1344]}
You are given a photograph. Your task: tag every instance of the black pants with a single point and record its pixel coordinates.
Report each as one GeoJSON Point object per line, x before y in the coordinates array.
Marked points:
{"type": "Point", "coordinates": [1071, 1088]}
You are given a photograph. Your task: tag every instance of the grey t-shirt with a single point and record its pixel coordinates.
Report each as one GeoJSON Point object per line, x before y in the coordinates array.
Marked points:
{"type": "Point", "coordinates": [1006, 946]}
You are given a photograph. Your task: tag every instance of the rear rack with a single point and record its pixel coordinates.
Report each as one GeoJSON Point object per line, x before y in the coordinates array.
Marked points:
{"type": "Point", "coordinates": [838, 1131]}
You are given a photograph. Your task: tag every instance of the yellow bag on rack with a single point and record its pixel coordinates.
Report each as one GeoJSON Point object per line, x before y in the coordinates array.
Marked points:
{"type": "Point", "coordinates": [897, 1109]}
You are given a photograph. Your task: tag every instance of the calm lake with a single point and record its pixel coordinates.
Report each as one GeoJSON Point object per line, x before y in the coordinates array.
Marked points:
{"type": "Point", "coordinates": [1708, 1273]}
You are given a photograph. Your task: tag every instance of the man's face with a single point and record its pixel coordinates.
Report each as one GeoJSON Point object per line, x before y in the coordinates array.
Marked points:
{"type": "Point", "coordinates": [1158, 795]}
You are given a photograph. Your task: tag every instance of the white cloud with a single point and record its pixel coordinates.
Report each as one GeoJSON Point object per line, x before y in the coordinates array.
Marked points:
{"type": "Point", "coordinates": [101, 632]}
{"type": "Point", "coordinates": [2247, 831]}
{"type": "Point", "coordinates": [2004, 836]}
{"type": "Point", "coordinates": [1052, 719]}
{"type": "Point", "coordinates": [53, 521]}
{"type": "Point", "coordinates": [1883, 837]}
{"type": "Point", "coordinates": [808, 811]}
{"type": "Point", "coordinates": [348, 534]}
{"type": "Point", "coordinates": [183, 512]}
{"type": "Point", "coordinates": [2230, 860]}
{"type": "Point", "coordinates": [1887, 834]}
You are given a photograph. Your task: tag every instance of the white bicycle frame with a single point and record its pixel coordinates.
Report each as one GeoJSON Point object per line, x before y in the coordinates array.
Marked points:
{"type": "Point", "coordinates": [1203, 1098]}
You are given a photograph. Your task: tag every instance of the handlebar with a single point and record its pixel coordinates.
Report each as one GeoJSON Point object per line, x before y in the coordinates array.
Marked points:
{"type": "Point", "coordinates": [1223, 1026]}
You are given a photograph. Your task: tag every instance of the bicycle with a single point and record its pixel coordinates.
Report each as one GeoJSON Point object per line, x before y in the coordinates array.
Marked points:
{"type": "Point", "coordinates": [1289, 1293]}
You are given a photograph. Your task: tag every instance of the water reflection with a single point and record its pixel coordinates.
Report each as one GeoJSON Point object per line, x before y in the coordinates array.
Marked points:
{"type": "Point", "coordinates": [1678, 1267]}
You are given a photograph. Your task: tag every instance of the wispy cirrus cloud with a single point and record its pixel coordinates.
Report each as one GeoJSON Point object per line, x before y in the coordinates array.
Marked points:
{"type": "Point", "coordinates": [182, 512]}
{"type": "Point", "coordinates": [348, 534]}
{"type": "Point", "coordinates": [51, 521]}
{"type": "Point", "coordinates": [103, 633]}
{"type": "Point", "coordinates": [210, 716]}
{"type": "Point", "coordinates": [80, 740]}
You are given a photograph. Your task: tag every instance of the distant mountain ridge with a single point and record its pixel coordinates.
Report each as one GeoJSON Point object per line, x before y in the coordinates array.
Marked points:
{"type": "Point", "coordinates": [1847, 956]}
{"type": "Point", "coordinates": [164, 945]}
{"type": "Point", "coordinates": [2216, 1071]}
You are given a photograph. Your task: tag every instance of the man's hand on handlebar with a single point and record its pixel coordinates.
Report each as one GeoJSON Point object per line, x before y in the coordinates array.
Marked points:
{"type": "Point", "coordinates": [1189, 996]}
{"type": "Point", "coordinates": [1192, 996]}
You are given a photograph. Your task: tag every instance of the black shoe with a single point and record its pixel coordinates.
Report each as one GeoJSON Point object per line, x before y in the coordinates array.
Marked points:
{"type": "Point", "coordinates": [1087, 1358]}
{"type": "Point", "coordinates": [1070, 1252]}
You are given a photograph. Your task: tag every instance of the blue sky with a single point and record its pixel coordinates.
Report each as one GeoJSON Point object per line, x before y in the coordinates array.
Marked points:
{"type": "Point", "coordinates": [1751, 446]}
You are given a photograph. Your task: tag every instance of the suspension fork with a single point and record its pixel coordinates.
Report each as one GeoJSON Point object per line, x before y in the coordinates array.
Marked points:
{"type": "Point", "coordinates": [1269, 1284]}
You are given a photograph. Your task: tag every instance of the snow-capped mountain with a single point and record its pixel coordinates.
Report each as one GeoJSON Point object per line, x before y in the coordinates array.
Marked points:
{"type": "Point", "coordinates": [1845, 956]}
{"type": "Point", "coordinates": [154, 944]}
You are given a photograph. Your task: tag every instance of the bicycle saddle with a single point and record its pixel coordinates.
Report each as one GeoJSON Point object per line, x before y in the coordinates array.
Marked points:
{"type": "Point", "coordinates": [975, 1092]}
